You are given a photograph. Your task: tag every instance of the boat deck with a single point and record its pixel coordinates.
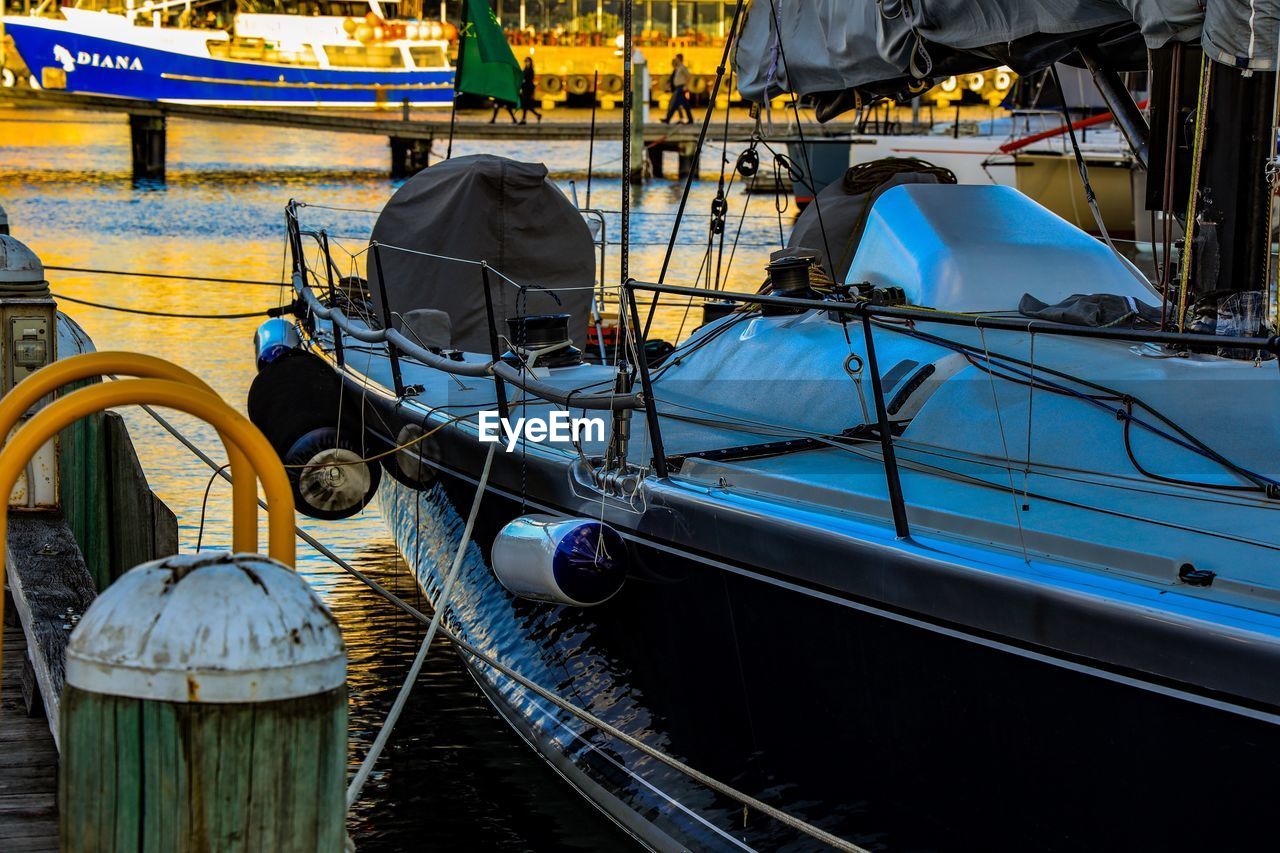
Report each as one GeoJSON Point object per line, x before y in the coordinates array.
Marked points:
{"type": "Point", "coordinates": [1122, 528]}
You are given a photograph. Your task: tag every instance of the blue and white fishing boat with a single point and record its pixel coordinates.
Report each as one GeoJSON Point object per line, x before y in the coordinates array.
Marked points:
{"type": "Point", "coordinates": [359, 58]}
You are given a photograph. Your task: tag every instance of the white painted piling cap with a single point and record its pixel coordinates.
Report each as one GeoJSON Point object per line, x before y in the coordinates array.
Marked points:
{"type": "Point", "coordinates": [208, 628]}
{"type": "Point", "coordinates": [18, 263]}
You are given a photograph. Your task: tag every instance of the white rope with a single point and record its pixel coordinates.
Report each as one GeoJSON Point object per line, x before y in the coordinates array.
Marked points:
{"type": "Point", "coordinates": [384, 734]}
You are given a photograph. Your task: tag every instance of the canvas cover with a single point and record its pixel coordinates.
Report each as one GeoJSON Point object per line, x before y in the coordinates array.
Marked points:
{"type": "Point", "coordinates": [837, 219]}
{"type": "Point", "coordinates": [482, 207]}
{"type": "Point", "coordinates": [837, 50]}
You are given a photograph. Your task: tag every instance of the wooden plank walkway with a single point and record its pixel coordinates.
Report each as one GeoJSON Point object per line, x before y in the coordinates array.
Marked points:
{"type": "Point", "coordinates": [28, 759]}
{"type": "Point", "coordinates": [375, 122]}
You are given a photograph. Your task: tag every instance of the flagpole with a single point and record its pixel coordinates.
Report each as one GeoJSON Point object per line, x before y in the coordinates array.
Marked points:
{"type": "Point", "coordinates": [453, 113]}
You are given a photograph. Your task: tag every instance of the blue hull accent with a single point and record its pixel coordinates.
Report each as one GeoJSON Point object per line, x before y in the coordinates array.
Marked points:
{"type": "Point", "coordinates": [104, 66]}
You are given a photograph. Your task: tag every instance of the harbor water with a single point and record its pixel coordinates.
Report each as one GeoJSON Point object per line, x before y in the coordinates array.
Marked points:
{"type": "Point", "coordinates": [454, 776]}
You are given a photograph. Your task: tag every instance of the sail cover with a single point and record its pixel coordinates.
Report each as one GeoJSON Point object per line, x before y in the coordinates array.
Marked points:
{"type": "Point", "coordinates": [847, 51]}
{"type": "Point", "coordinates": [484, 208]}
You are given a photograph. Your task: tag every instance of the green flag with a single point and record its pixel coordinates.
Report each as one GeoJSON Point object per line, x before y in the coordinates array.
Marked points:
{"type": "Point", "coordinates": [486, 65]}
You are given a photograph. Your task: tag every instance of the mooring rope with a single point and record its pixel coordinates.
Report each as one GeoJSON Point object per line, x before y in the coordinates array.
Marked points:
{"type": "Point", "coordinates": [204, 278]}
{"type": "Point", "coordinates": [266, 312]}
{"type": "Point", "coordinates": [581, 713]}
{"type": "Point", "coordinates": [384, 734]}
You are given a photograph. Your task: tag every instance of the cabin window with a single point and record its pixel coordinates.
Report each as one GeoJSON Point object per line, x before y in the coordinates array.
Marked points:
{"type": "Point", "coordinates": [359, 56]}
{"type": "Point", "coordinates": [428, 56]}
{"type": "Point", "coordinates": [304, 55]}
{"type": "Point", "coordinates": [257, 50]}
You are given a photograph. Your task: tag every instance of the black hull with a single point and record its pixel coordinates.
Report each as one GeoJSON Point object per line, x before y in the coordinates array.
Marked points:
{"type": "Point", "coordinates": [903, 737]}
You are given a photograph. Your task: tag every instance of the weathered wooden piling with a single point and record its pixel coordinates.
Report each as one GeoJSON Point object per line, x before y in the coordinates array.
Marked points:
{"type": "Point", "coordinates": [686, 154]}
{"type": "Point", "coordinates": [147, 135]}
{"type": "Point", "coordinates": [639, 113]}
{"type": "Point", "coordinates": [205, 709]}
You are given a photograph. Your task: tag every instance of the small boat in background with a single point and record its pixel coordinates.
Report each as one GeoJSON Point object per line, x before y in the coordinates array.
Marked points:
{"type": "Point", "coordinates": [357, 55]}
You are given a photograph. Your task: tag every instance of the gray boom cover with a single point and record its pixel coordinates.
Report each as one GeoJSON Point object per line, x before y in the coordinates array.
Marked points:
{"type": "Point", "coordinates": [482, 207]}
{"type": "Point", "coordinates": [827, 46]}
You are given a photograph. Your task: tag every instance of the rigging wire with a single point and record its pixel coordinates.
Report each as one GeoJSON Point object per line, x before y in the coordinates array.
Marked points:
{"type": "Point", "coordinates": [1083, 168]}
{"type": "Point", "coordinates": [1004, 443]}
{"type": "Point", "coordinates": [204, 502]}
{"type": "Point", "coordinates": [591, 141]}
{"type": "Point", "coordinates": [804, 148]}
{"type": "Point", "coordinates": [729, 41]}
{"type": "Point", "coordinates": [1105, 394]}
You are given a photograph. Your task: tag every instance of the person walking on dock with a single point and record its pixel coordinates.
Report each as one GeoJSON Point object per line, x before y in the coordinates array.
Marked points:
{"type": "Point", "coordinates": [499, 105]}
{"type": "Point", "coordinates": [527, 103]}
{"type": "Point", "coordinates": [680, 78]}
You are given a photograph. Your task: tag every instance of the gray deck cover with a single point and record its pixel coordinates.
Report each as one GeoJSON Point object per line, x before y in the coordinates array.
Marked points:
{"type": "Point", "coordinates": [837, 219]}
{"type": "Point", "coordinates": [836, 45]}
{"type": "Point", "coordinates": [482, 207]}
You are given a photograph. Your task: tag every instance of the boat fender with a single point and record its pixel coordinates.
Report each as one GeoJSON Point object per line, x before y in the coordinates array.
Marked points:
{"type": "Point", "coordinates": [297, 402]}
{"type": "Point", "coordinates": [273, 339]}
{"type": "Point", "coordinates": [330, 478]}
{"type": "Point", "coordinates": [408, 465]}
{"type": "Point", "coordinates": [575, 561]}
{"type": "Point", "coordinates": [295, 393]}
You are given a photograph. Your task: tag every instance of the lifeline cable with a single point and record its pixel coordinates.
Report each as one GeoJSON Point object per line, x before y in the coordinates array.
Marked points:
{"type": "Point", "coordinates": [582, 714]}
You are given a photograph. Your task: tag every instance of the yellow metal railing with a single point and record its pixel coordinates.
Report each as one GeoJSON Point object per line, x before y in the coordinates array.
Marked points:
{"type": "Point", "coordinates": [251, 456]}
{"type": "Point", "coordinates": [18, 401]}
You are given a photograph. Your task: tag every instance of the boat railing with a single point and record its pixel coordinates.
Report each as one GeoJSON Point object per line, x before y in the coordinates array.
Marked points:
{"type": "Point", "coordinates": [866, 313]}
{"type": "Point", "coordinates": [398, 344]}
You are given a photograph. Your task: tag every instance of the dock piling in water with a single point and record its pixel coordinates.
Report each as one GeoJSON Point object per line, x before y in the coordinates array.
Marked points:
{"type": "Point", "coordinates": [409, 156]}
{"type": "Point", "coordinates": [147, 134]}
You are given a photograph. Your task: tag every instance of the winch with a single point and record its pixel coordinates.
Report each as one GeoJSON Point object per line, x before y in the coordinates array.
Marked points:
{"type": "Point", "coordinates": [541, 340]}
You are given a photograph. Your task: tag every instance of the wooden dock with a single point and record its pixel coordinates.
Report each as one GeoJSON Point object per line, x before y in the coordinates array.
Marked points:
{"type": "Point", "coordinates": [55, 563]}
{"type": "Point", "coordinates": [28, 758]}
{"type": "Point", "coordinates": [410, 137]}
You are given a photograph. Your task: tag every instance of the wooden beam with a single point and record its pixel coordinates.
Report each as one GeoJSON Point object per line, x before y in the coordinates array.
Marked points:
{"type": "Point", "coordinates": [51, 589]}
